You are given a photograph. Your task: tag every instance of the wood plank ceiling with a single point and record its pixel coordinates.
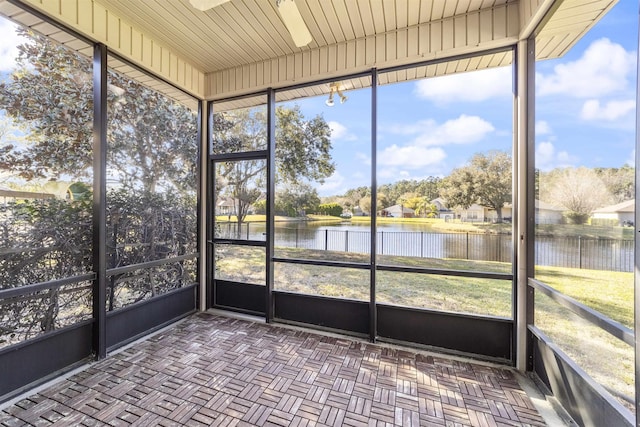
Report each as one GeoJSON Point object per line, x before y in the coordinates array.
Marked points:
{"type": "Point", "coordinates": [244, 31]}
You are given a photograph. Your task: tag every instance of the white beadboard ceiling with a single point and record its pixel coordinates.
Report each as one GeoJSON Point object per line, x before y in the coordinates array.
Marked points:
{"type": "Point", "coordinates": [243, 31]}
{"type": "Point", "coordinates": [242, 46]}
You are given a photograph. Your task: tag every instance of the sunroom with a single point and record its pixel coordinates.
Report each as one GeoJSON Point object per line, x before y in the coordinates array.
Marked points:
{"type": "Point", "coordinates": [164, 159]}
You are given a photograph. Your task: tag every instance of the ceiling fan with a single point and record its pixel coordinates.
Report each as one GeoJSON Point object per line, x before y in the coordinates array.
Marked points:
{"type": "Point", "coordinates": [288, 12]}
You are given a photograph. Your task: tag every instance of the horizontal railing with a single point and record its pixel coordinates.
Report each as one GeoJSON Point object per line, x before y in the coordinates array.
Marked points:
{"type": "Point", "coordinates": [592, 316]}
{"type": "Point", "coordinates": [150, 264]}
{"type": "Point", "coordinates": [38, 287]}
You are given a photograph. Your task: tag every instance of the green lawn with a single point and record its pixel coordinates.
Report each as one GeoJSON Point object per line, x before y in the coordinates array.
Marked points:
{"type": "Point", "coordinates": [610, 293]}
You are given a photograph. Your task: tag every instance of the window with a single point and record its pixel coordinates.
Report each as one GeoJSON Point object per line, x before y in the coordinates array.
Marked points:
{"type": "Point", "coordinates": [585, 195]}
{"type": "Point", "coordinates": [444, 197]}
{"type": "Point", "coordinates": [45, 185]}
{"type": "Point", "coordinates": [323, 172]}
{"type": "Point", "coordinates": [152, 158]}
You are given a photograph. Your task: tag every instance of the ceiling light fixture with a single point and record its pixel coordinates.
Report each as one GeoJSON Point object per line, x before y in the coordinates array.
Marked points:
{"type": "Point", "coordinates": [333, 89]}
{"type": "Point", "coordinates": [206, 4]}
{"type": "Point", "coordinates": [293, 21]}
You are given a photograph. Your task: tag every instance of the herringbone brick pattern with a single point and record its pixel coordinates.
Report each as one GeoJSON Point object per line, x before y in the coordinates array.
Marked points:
{"type": "Point", "coordinates": [214, 370]}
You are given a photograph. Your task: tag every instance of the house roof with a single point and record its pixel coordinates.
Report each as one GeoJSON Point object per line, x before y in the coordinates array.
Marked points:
{"type": "Point", "coordinates": [440, 200]}
{"type": "Point", "coordinates": [226, 201]}
{"type": "Point", "coordinates": [626, 206]}
{"type": "Point", "coordinates": [243, 46]}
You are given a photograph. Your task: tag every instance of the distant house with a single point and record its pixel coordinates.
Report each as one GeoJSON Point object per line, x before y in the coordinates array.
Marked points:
{"type": "Point", "coordinates": [478, 213]}
{"type": "Point", "coordinates": [229, 205]}
{"type": "Point", "coordinates": [623, 212]}
{"type": "Point", "coordinates": [357, 211]}
{"type": "Point", "coordinates": [474, 213]}
{"type": "Point", "coordinates": [442, 210]}
{"type": "Point", "coordinates": [548, 214]}
{"type": "Point", "coordinates": [226, 206]}
{"type": "Point", "coordinates": [397, 211]}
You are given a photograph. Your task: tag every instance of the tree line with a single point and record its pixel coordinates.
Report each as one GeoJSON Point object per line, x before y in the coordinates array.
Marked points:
{"type": "Point", "coordinates": [486, 180]}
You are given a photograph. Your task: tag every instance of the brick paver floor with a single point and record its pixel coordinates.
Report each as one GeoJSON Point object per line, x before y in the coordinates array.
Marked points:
{"type": "Point", "coordinates": [215, 370]}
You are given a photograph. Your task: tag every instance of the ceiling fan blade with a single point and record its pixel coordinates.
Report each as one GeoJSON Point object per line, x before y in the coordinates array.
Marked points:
{"type": "Point", "coordinates": [206, 4]}
{"type": "Point", "coordinates": [293, 21]}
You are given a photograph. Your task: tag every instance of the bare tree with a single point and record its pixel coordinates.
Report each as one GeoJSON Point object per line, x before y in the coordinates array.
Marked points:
{"type": "Point", "coordinates": [579, 190]}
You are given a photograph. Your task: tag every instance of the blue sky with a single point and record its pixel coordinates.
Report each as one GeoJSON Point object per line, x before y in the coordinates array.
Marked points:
{"type": "Point", "coordinates": [585, 113]}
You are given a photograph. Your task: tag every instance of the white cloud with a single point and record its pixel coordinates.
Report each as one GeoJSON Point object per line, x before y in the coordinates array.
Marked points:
{"type": "Point", "coordinates": [543, 128]}
{"type": "Point", "coordinates": [473, 86]}
{"type": "Point", "coordinates": [462, 130]}
{"type": "Point", "coordinates": [604, 68]}
{"type": "Point", "coordinates": [425, 147]}
{"type": "Point", "coordinates": [411, 156]}
{"type": "Point", "coordinates": [8, 43]}
{"type": "Point", "coordinates": [548, 158]}
{"type": "Point", "coordinates": [340, 131]}
{"type": "Point", "coordinates": [364, 158]}
{"type": "Point", "coordinates": [331, 184]}
{"type": "Point", "coordinates": [611, 111]}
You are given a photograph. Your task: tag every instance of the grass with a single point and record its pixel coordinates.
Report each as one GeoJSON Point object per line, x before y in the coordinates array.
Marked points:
{"type": "Point", "coordinates": [605, 358]}
{"type": "Point", "coordinates": [608, 292]}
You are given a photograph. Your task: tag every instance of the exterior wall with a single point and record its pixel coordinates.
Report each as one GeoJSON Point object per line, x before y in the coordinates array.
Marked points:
{"type": "Point", "coordinates": [473, 213]}
{"type": "Point", "coordinates": [493, 215]}
{"type": "Point", "coordinates": [477, 213]}
{"type": "Point", "coordinates": [621, 217]}
{"type": "Point", "coordinates": [397, 212]}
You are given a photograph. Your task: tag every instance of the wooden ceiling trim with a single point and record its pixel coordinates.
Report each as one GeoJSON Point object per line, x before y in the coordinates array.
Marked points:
{"type": "Point", "coordinates": [267, 42]}
{"type": "Point", "coordinates": [337, 15]}
{"type": "Point", "coordinates": [408, 13]}
{"type": "Point", "coordinates": [562, 33]}
{"type": "Point", "coordinates": [389, 15]}
{"type": "Point", "coordinates": [548, 47]}
{"type": "Point", "coordinates": [323, 26]}
{"type": "Point", "coordinates": [447, 37]}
